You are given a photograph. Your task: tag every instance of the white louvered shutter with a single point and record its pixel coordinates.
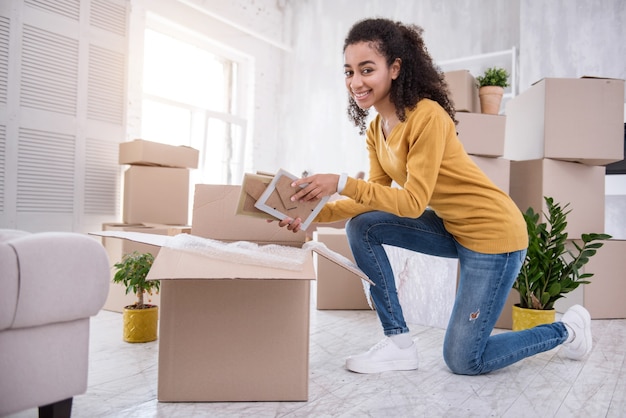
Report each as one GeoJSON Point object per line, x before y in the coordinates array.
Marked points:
{"type": "Point", "coordinates": [62, 112]}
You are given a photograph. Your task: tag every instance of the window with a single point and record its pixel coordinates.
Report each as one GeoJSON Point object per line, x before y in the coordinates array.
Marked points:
{"type": "Point", "coordinates": [190, 96]}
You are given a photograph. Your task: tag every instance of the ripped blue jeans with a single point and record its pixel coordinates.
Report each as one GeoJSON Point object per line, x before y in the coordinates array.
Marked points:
{"type": "Point", "coordinates": [485, 281]}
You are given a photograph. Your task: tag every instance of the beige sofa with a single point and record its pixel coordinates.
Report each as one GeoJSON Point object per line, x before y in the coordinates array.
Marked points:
{"type": "Point", "coordinates": [51, 283]}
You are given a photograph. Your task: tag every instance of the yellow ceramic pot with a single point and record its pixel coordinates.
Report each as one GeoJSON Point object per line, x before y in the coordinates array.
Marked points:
{"type": "Point", "coordinates": [140, 325]}
{"type": "Point", "coordinates": [524, 318]}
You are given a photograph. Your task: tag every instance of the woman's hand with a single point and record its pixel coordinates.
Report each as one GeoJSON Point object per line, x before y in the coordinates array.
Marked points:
{"type": "Point", "coordinates": [317, 187]}
{"type": "Point", "coordinates": [291, 224]}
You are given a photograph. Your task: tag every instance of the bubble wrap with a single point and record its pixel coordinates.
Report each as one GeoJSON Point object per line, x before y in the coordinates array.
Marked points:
{"type": "Point", "coordinates": [426, 286]}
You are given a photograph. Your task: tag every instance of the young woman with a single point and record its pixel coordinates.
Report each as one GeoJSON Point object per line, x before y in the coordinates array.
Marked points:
{"type": "Point", "coordinates": [445, 206]}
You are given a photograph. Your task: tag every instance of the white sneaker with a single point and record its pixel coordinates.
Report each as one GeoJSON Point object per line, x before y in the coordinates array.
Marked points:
{"type": "Point", "coordinates": [384, 356]}
{"type": "Point", "coordinates": [577, 320]}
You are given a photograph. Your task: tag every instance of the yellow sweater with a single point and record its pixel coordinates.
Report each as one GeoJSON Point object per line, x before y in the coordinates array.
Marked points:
{"type": "Point", "coordinates": [424, 156]}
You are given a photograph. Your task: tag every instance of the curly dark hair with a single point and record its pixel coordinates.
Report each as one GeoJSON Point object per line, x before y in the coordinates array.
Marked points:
{"type": "Point", "coordinates": [419, 77]}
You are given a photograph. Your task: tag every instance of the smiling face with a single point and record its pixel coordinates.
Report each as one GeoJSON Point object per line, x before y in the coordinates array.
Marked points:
{"type": "Point", "coordinates": [368, 78]}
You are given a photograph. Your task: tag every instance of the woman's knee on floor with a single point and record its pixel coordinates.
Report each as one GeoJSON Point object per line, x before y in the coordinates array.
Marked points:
{"type": "Point", "coordinates": [460, 360]}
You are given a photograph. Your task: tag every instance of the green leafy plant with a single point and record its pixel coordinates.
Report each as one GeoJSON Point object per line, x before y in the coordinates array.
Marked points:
{"type": "Point", "coordinates": [494, 76]}
{"type": "Point", "coordinates": [551, 269]}
{"type": "Point", "coordinates": [132, 271]}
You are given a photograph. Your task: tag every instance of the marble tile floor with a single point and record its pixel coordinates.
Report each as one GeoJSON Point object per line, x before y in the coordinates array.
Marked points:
{"type": "Point", "coordinates": [123, 379]}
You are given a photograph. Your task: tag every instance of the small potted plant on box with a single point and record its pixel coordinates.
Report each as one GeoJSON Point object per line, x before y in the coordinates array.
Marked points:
{"type": "Point", "coordinates": [140, 319]}
{"type": "Point", "coordinates": [491, 89]}
{"type": "Point", "coordinates": [552, 265]}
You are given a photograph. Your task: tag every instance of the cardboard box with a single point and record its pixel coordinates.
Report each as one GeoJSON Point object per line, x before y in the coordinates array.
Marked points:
{"type": "Point", "coordinates": [116, 249]}
{"type": "Point", "coordinates": [214, 216]}
{"type": "Point", "coordinates": [567, 119]}
{"type": "Point", "coordinates": [582, 186]}
{"type": "Point", "coordinates": [232, 340]}
{"type": "Point", "coordinates": [463, 90]}
{"type": "Point", "coordinates": [229, 331]}
{"type": "Point", "coordinates": [337, 288]}
{"type": "Point", "coordinates": [481, 134]}
{"type": "Point", "coordinates": [141, 152]}
{"type": "Point", "coordinates": [497, 169]}
{"type": "Point", "coordinates": [604, 296]}
{"type": "Point", "coordinates": [505, 321]}
{"type": "Point", "coordinates": [156, 195]}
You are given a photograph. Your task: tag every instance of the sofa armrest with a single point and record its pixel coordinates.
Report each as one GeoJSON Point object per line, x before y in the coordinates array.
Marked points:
{"type": "Point", "coordinates": [63, 276]}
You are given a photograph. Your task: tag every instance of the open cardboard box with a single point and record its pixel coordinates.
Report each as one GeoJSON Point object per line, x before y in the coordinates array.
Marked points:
{"type": "Point", "coordinates": [230, 331]}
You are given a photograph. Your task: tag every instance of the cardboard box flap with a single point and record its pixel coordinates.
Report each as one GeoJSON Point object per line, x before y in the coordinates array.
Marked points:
{"type": "Point", "coordinates": [177, 264]}
{"type": "Point", "coordinates": [202, 259]}
{"type": "Point", "coordinates": [584, 77]}
{"type": "Point", "coordinates": [321, 249]}
{"type": "Point", "coordinates": [141, 237]}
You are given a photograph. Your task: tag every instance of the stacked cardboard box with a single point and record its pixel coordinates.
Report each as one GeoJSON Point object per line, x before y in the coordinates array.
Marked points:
{"type": "Point", "coordinates": [559, 135]}
{"type": "Point", "coordinates": [575, 127]}
{"type": "Point", "coordinates": [156, 185]}
{"type": "Point", "coordinates": [554, 141]}
{"type": "Point", "coordinates": [155, 201]}
{"type": "Point", "coordinates": [463, 90]}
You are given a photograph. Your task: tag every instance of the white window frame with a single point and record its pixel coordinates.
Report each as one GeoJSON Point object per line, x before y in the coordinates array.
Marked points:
{"type": "Point", "coordinates": [240, 114]}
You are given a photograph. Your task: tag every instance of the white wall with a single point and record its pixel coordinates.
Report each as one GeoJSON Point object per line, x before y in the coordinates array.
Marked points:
{"type": "Point", "coordinates": [315, 134]}
{"type": "Point", "coordinates": [555, 38]}
{"type": "Point", "coordinates": [564, 38]}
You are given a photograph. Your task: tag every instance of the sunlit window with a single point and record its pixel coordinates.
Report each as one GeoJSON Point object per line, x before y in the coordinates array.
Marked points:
{"type": "Point", "coordinates": [189, 98]}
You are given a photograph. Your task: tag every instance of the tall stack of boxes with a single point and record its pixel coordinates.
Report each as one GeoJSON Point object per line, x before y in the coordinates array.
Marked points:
{"type": "Point", "coordinates": [560, 133]}
{"type": "Point", "coordinates": [155, 200]}
{"type": "Point", "coordinates": [554, 141]}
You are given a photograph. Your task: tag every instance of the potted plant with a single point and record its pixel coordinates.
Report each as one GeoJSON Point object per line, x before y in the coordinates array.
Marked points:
{"type": "Point", "coordinates": [552, 266]}
{"type": "Point", "coordinates": [140, 319]}
{"type": "Point", "coordinates": [491, 89]}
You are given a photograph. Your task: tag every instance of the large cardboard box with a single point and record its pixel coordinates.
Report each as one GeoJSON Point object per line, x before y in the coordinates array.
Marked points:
{"type": "Point", "coordinates": [156, 195]}
{"type": "Point", "coordinates": [481, 134]}
{"type": "Point", "coordinates": [116, 249]}
{"type": "Point", "coordinates": [567, 119]}
{"type": "Point", "coordinates": [604, 296]}
{"type": "Point", "coordinates": [337, 288]}
{"type": "Point", "coordinates": [580, 185]}
{"type": "Point", "coordinates": [497, 169]}
{"type": "Point", "coordinates": [231, 332]}
{"type": "Point", "coordinates": [463, 90]}
{"type": "Point", "coordinates": [141, 152]}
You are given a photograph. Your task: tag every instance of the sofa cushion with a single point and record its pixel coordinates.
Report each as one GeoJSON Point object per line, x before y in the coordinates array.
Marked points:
{"type": "Point", "coordinates": [63, 277]}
